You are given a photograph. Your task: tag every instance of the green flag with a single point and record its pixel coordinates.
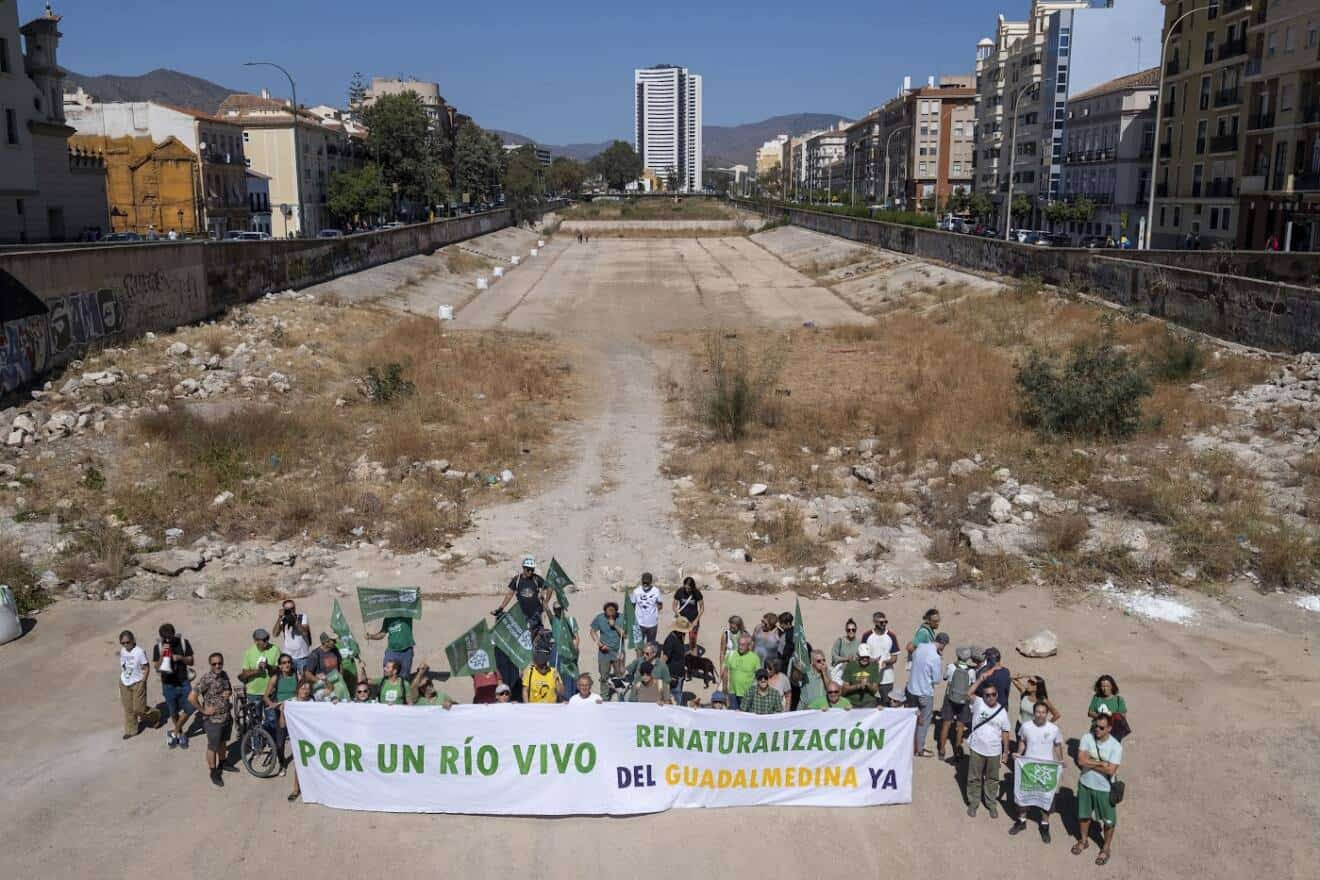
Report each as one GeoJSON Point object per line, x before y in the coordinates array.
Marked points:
{"type": "Point", "coordinates": [348, 646]}
{"type": "Point", "coordinates": [512, 636]}
{"type": "Point", "coordinates": [378, 604]}
{"type": "Point", "coordinates": [473, 652]}
{"type": "Point", "coordinates": [801, 656]}
{"type": "Point", "coordinates": [562, 629]}
{"type": "Point", "coordinates": [630, 627]}
{"type": "Point", "coordinates": [556, 579]}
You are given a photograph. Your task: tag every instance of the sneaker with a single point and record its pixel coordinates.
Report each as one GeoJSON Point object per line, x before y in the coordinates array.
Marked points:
{"type": "Point", "coordinates": [1018, 827]}
{"type": "Point", "coordinates": [171, 740]}
{"type": "Point", "coordinates": [971, 811]}
{"type": "Point", "coordinates": [216, 779]}
{"type": "Point", "coordinates": [183, 742]}
{"type": "Point", "coordinates": [1044, 834]}
{"type": "Point", "coordinates": [994, 813]}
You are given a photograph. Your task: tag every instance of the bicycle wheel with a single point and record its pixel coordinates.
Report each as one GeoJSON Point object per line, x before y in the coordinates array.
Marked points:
{"type": "Point", "coordinates": [259, 756]}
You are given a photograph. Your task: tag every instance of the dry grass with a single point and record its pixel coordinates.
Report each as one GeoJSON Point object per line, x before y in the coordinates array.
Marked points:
{"type": "Point", "coordinates": [786, 540]}
{"type": "Point", "coordinates": [461, 262]}
{"type": "Point", "coordinates": [650, 209]}
{"type": "Point", "coordinates": [1063, 534]}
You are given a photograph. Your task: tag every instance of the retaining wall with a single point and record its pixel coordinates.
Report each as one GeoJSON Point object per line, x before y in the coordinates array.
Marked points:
{"type": "Point", "coordinates": [1253, 311]}
{"type": "Point", "coordinates": [58, 302]}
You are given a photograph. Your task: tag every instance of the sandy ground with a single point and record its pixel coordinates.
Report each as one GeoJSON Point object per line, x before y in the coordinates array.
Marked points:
{"type": "Point", "coordinates": [1221, 770]}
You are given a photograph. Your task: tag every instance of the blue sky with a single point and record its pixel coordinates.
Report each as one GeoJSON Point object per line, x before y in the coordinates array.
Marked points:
{"type": "Point", "coordinates": [557, 72]}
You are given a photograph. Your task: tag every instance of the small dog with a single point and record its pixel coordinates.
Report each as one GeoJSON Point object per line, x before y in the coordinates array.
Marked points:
{"type": "Point", "coordinates": [698, 667]}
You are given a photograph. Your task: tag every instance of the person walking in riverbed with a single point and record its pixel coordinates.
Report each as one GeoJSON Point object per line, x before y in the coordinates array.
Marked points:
{"type": "Point", "coordinates": [133, 673]}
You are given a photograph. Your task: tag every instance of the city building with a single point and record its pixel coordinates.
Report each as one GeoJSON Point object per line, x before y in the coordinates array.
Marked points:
{"type": "Point", "coordinates": [1279, 195]}
{"type": "Point", "coordinates": [822, 150]}
{"type": "Point", "coordinates": [1025, 75]}
{"type": "Point", "coordinates": [49, 190]}
{"type": "Point", "coordinates": [667, 122]}
{"type": "Point", "coordinates": [770, 154]}
{"type": "Point", "coordinates": [443, 116]}
{"type": "Point", "coordinates": [146, 145]}
{"type": "Point", "coordinates": [1202, 123]}
{"type": "Point", "coordinates": [258, 190]}
{"type": "Point", "coordinates": [542, 154]}
{"type": "Point", "coordinates": [1107, 154]}
{"type": "Point", "coordinates": [269, 138]}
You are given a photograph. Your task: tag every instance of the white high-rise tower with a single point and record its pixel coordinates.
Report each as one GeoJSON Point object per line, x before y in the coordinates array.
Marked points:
{"type": "Point", "coordinates": [667, 122]}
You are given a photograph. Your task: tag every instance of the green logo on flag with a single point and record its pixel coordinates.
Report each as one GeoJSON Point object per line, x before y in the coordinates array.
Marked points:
{"type": "Point", "coordinates": [473, 652]}
{"type": "Point", "coordinates": [512, 636]}
{"type": "Point", "coordinates": [630, 627]}
{"type": "Point", "coordinates": [557, 579]}
{"type": "Point", "coordinates": [377, 604]}
{"type": "Point", "coordinates": [1041, 777]}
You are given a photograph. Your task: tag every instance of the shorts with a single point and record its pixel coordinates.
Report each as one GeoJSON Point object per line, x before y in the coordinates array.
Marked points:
{"type": "Point", "coordinates": [176, 699]}
{"type": "Point", "coordinates": [1092, 804]}
{"type": "Point", "coordinates": [217, 733]}
{"type": "Point", "coordinates": [959, 712]}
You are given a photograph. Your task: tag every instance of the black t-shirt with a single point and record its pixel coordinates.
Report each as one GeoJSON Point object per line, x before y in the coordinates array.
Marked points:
{"type": "Point", "coordinates": [528, 591]}
{"type": "Point", "coordinates": [686, 601]}
{"type": "Point", "coordinates": [674, 648]}
{"type": "Point", "coordinates": [179, 647]}
{"type": "Point", "coordinates": [318, 664]}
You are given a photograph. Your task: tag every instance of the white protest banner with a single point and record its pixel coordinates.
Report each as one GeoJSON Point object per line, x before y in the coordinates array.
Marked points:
{"type": "Point", "coordinates": [1035, 781]}
{"type": "Point", "coordinates": [554, 760]}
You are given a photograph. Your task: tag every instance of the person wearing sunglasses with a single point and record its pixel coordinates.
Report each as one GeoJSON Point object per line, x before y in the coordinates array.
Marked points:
{"type": "Point", "coordinates": [133, 673]}
{"type": "Point", "coordinates": [845, 646]}
{"type": "Point", "coordinates": [503, 694]}
{"type": "Point", "coordinates": [212, 698]}
{"type": "Point", "coordinates": [280, 687]}
{"type": "Point", "coordinates": [833, 699]}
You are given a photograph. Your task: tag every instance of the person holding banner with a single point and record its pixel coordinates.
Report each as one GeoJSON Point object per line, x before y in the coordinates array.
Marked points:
{"type": "Point", "coordinates": [303, 695]}
{"type": "Point", "coordinates": [1040, 744]}
{"type": "Point", "coordinates": [423, 692]}
{"type": "Point", "coordinates": [740, 671]}
{"type": "Point", "coordinates": [541, 682]}
{"type": "Point", "coordinates": [393, 687]}
{"type": "Point", "coordinates": [281, 687]}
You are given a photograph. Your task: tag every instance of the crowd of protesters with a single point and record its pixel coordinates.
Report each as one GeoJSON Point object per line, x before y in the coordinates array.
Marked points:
{"type": "Point", "coordinates": [759, 671]}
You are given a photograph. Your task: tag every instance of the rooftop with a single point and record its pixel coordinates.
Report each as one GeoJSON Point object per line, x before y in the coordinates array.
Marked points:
{"type": "Point", "coordinates": [1145, 79]}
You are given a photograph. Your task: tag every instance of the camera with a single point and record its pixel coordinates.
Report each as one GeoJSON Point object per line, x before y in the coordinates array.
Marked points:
{"type": "Point", "coordinates": [290, 618]}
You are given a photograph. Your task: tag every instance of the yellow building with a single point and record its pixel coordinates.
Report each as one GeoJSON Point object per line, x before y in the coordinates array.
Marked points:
{"type": "Point", "coordinates": [149, 186]}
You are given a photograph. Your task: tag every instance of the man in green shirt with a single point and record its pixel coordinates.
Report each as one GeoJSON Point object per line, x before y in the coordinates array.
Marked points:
{"type": "Point", "coordinates": [423, 692]}
{"type": "Point", "coordinates": [392, 687]}
{"type": "Point", "coordinates": [259, 661]}
{"type": "Point", "coordinates": [763, 699]}
{"type": "Point", "coordinates": [607, 632]}
{"type": "Point", "coordinates": [330, 685]}
{"type": "Point", "coordinates": [814, 680]}
{"type": "Point", "coordinates": [400, 645]}
{"type": "Point", "coordinates": [740, 671]}
{"type": "Point", "coordinates": [833, 699]}
{"type": "Point", "coordinates": [861, 679]}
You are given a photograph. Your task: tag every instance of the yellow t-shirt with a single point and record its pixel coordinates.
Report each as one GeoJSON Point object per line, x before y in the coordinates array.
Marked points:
{"type": "Point", "coordinates": [540, 687]}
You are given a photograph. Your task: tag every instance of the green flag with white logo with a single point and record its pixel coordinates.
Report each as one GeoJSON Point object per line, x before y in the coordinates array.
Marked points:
{"type": "Point", "coordinates": [473, 652]}
{"type": "Point", "coordinates": [378, 604]}
{"type": "Point", "coordinates": [563, 629]}
{"type": "Point", "coordinates": [512, 636]}
{"type": "Point", "coordinates": [630, 627]}
{"type": "Point", "coordinates": [801, 654]}
{"type": "Point", "coordinates": [348, 646]}
{"type": "Point", "coordinates": [557, 579]}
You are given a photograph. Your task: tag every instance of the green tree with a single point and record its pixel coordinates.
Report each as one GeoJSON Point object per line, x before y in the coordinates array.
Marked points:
{"type": "Point", "coordinates": [1083, 209]}
{"type": "Point", "coordinates": [772, 183]}
{"type": "Point", "coordinates": [357, 93]}
{"type": "Point", "coordinates": [479, 162]}
{"type": "Point", "coordinates": [359, 194]}
{"type": "Point", "coordinates": [1058, 212]}
{"type": "Point", "coordinates": [1021, 206]}
{"type": "Point", "coordinates": [672, 181]}
{"type": "Point", "coordinates": [565, 175]}
{"type": "Point", "coordinates": [400, 140]}
{"type": "Point", "coordinates": [619, 164]}
{"type": "Point", "coordinates": [523, 187]}
{"type": "Point", "coordinates": [980, 205]}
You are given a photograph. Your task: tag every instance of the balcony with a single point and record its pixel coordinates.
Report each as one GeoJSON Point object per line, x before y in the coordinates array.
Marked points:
{"type": "Point", "coordinates": [1230, 6]}
{"type": "Point", "coordinates": [1166, 151]}
{"type": "Point", "coordinates": [1224, 143]}
{"type": "Point", "coordinates": [1260, 120]}
{"type": "Point", "coordinates": [1171, 69]}
{"type": "Point", "coordinates": [1220, 189]}
{"type": "Point", "coordinates": [1309, 114]}
{"type": "Point", "coordinates": [1309, 181]}
{"type": "Point", "coordinates": [1228, 97]}
{"type": "Point", "coordinates": [1232, 48]}
{"type": "Point", "coordinates": [1252, 184]}
{"type": "Point", "coordinates": [1254, 66]}
{"type": "Point", "coordinates": [1162, 190]}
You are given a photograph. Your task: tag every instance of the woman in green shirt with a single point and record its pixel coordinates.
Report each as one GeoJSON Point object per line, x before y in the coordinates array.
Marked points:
{"type": "Point", "coordinates": [281, 686]}
{"type": "Point", "coordinates": [845, 646]}
{"type": "Point", "coordinates": [1107, 701]}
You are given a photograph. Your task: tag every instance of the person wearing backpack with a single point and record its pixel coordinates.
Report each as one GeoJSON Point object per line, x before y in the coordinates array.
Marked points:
{"type": "Point", "coordinates": [954, 712]}
{"type": "Point", "coordinates": [987, 748]}
{"type": "Point", "coordinates": [174, 681]}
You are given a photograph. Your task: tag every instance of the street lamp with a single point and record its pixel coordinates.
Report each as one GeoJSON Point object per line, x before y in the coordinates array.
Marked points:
{"type": "Point", "coordinates": [1012, 157]}
{"type": "Point", "coordinates": [1159, 106]}
{"type": "Point", "coordinates": [297, 154]}
{"type": "Point", "coordinates": [887, 140]}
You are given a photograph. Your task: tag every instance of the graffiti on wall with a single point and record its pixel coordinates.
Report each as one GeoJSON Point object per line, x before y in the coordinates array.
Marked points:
{"type": "Point", "coordinates": [37, 343]}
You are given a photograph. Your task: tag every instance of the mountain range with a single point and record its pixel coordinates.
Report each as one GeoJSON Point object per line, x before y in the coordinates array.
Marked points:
{"type": "Point", "coordinates": [722, 144]}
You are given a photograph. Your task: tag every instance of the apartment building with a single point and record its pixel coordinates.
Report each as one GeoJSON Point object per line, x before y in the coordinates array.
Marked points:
{"type": "Point", "coordinates": [272, 145]}
{"type": "Point", "coordinates": [444, 117]}
{"type": "Point", "coordinates": [667, 115]}
{"type": "Point", "coordinates": [1200, 137]}
{"type": "Point", "coordinates": [168, 168]}
{"type": "Point", "coordinates": [49, 191]}
{"type": "Point", "coordinates": [1025, 75]}
{"type": "Point", "coordinates": [823, 150]}
{"type": "Point", "coordinates": [770, 154]}
{"type": "Point", "coordinates": [1279, 194]}
{"type": "Point", "coordinates": [1110, 137]}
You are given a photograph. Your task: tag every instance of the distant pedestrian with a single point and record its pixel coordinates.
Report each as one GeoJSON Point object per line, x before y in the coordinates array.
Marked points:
{"type": "Point", "coordinates": [541, 682]}
{"type": "Point", "coordinates": [647, 688]}
{"type": "Point", "coordinates": [884, 654]}
{"type": "Point", "coordinates": [844, 649]}
{"type": "Point", "coordinates": [647, 603]}
{"type": "Point", "coordinates": [302, 695]}
{"type": "Point", "coordinates": [296, 630]}
{"type": "Point", "coordinates": [393, 687]}
{"type": "Point", "coordinates": [765, 638]}
{"type": "Point", "coordinates": [740, 669]}
{"type": "Point", "coordinates": [174, 681]}
{"type": "Point", "coordinates": [689, 603]}
{"type": "Point", "coordinates": [532, 594]}
{"type": "Point", "coordinates": [422, 692]}
{"type": "Point", "coordinates": [674, 653]}
{"type": "Point", "coordinates": [993, 672]}
{"type": "Point", "coordinates": [861, 679]}
{"type": "Point", "coordinates": [1099, 755]}
{"type": "Point", "coordinates": [987, 746]}
{"type": "Point", "coordinates": [1033, 691]}
{"type": "Point", "coordinates": [260, 660]}
{"type": "Point", "coordinates": [281, 687]}
{"type": "Point", "coordinates": [1038, 739]}
{"type": "Point", "coordinates": [134, 670]}
{"type": "Point", "coordinates": [607, 632]}
{"type": "Point", "coordinates": [954, 711]}
{"type": "Point", "coordinates": [1107, 702]}
{"type": "Point", "coordinates": [926, 675]}
{"type": "Point", "coordinates": [212, 697]}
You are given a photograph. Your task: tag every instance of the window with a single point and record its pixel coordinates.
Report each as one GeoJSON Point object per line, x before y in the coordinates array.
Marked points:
{"type": "Point", "coordinates": [11, 126]}
{"type": "Point", "coordinates": [246, 137]}
{"type": "Point", "coordinates": [1212, 11]}
{"type": "Point", "coordinates": [1285, 97]}
{"type": "Point", "coordinates": [1289, 43]}
{"type": "Point", "coordinates": [922, 167]}
{"type": "Point", "coordinates": [1214, 218]}
{"type": "Point", "coordinates": [1271, 43]}
{"type": "Point", "coordinates": [1225, 223]}
{"type": "Point", "coordinates": [1162, 218]}
{"type": "Point", "coordinates": [4, 55]}
{"type": "Point", "coordinates": [1310, 35]}
{"type": "Point", "coordinates": [957, 167]}
{"type": "Point", "coordinates": [1177, 215]}
{"type": "Point", "coordinates": [1205, 92]}
{"type": "Point", "coordinates": [18, 205]}
{"type": "Point", "coordinates": [1209, 47]}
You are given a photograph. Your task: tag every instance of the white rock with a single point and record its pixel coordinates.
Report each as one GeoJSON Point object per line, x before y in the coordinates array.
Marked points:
{"type": "Point", "coordinates": [25, 423]}
{"type": "Point", "coordinates": [739, 555]}
{"type": "Point", "coordinates": [506, 475]}
{"type": "Point", "coordinates": [171, 562]}
{"type": "Point", "coordinates": [222, 499]}
{"type": "Point", "coordinates": [1025, 499]}
{"type": "Point", "coordinates": [1002, 474]}
{"type": "Point", "coordinates": [865, 473]}
{"type": "Point", "coordinates": [1136, 540]}
{"type": "Point", "coordinates": [279, 557]}
{"type": "Point", "coordinates": [1000, 510]}
{"type": "Point", "coordinates": [963, 467]}
{"type": "Point", "coordinates": [172, 536]}
{"type": "Point", "coordinates": [15, 438]}
{"type": "Point", "coordinates": [1041, 644]}
{"type": "Point", "coordinates": [177, 349]}
{"type": "Point", "coordinates": [757, 489]}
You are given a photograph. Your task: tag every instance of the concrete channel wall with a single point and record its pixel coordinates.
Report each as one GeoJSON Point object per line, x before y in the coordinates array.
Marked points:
{"type": "Point", "coordinates": [1254, 311]}
{"type": "Point", "coordinates": [57, 302]}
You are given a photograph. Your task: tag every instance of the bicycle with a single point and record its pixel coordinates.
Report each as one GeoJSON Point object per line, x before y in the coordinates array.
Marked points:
{"type": "Point", "coordinates": [256, 741]}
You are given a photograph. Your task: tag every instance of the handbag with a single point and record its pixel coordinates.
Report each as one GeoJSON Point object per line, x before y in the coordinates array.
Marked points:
{"type": "Point", "coordinates": [1117, 790]}
{"type": "Point", "coordinates": [1118, 726]}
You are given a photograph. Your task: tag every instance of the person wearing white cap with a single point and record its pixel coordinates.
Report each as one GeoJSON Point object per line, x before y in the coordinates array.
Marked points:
{"type": "Point", "coordinates": [532, 594]}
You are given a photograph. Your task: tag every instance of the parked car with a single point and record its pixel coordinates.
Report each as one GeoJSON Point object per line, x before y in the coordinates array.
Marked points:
{"type": "Point", "coordinates": [1094, 241]}
{"type": "Point", "coordinates": [122, 236]}
{"type": "Point", "coordinates": [330, 233]}
{"type": "Point", "coordinates": [246, 235]}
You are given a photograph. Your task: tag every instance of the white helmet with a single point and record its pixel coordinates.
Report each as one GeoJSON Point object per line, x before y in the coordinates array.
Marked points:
{"type": "Point", "coordinates": [529, 562]}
